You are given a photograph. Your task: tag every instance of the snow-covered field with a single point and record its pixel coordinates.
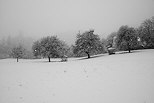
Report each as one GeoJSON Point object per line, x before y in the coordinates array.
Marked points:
{"type": "Point", "coordinates": [120, 78]}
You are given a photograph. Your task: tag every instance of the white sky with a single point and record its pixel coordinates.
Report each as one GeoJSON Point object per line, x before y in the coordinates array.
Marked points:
{"type": "Point", "coordinates": [38, 18]}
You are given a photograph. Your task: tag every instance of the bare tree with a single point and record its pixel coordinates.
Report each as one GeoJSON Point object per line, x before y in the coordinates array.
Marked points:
{"type": "Point", "coordinates": [17, 52]}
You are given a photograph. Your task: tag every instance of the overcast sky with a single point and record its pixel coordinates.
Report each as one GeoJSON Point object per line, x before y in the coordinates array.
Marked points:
{"type": "Point", "coordinates": [38, 18]}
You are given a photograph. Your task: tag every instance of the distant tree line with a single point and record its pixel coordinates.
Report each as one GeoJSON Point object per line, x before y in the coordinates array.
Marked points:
{"type": "Point", "coordinates": [86, 44]}
{"type": "Point", "coordinates": [129, 38]}
{"type": "Point", "coordinates": [7, 44]}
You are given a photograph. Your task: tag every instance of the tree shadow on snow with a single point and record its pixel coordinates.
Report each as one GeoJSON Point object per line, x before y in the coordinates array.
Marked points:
{"type": "Point", "coordinates": [126, 52]}
{"type": "Point", "coordinates": [106, 54]}
{"type": "Point", "coordinates": [93, 56]}
{"type": "Point", "coordinates": [45, 61]}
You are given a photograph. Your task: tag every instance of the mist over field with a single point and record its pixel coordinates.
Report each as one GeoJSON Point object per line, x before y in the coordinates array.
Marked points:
{"type": "Point", "coordinates": [23, 22]}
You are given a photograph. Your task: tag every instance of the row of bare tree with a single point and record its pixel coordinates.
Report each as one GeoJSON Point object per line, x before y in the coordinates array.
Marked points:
{"type": "Point", "coordinates": [87, 43]}
{"type": "Point", "coordinates": [129, 38]}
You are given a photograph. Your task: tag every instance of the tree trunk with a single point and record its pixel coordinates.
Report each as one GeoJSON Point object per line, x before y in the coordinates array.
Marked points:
{"type": "Point", "coordinates": [129, 50]}
{"type": "Point", "coordinates": [49, 59]}
{"type": "Point", "coordinates": [128, 47]}
{"type": "Point", "coordinates": [88, 54]}
{"type": "Point", "coordinates": [17, 59]}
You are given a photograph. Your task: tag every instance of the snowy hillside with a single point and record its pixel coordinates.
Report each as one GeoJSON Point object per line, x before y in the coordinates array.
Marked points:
{"type": "Point", "coordinates": [119, 78]}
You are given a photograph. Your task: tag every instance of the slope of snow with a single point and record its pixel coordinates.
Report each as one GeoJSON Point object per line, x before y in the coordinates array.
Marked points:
{"type": "Point", "coordinates": [119, 78]}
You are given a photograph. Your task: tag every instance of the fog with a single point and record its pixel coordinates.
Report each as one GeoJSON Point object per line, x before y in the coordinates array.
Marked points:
{"type": "Point", "coordinates": [65, 18]}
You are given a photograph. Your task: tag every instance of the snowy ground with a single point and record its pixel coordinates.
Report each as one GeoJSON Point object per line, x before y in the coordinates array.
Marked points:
{"type": "Point", "coordinates": [120, 78]}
